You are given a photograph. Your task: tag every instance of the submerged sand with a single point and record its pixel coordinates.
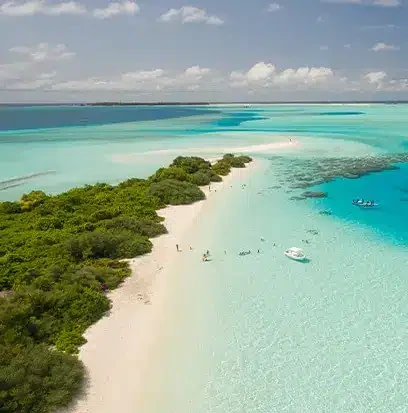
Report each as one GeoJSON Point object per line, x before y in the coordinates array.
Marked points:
{"type": "Point", "coordinates": [276, 146]}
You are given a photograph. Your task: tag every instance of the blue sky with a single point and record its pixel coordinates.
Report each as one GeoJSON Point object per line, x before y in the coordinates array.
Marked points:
{"type": "Point", "coordinates": [172, 50]}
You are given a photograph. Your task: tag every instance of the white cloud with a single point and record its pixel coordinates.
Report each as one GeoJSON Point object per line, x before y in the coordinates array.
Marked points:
{"type": "Point", "coordinates": [260, 71]}
{"type": "Point", "coordinates": [143, 80]}
{"type": "Point", "coordinates": [11, 71]}
{"type": "Point", "coordinates": [380, 27]}
{"type": "Point", "coordinates": [397, 85]}
{"type": "Point", "coordinates": [50, 75]}
{"type": "Point", "coordinates": [197, 71]}
{"type": "Point", "coordinates": [383, 47]}
{"type": "Point", "coordinates": [189, 14]}
{"type": "Point", "coordinates": [31, 74]}
{"type": "Point", "coordinates": [324, 48]}
{"type": "Point", "coordinates": [265, 75]}
{"type": "Point", "coordinates": [347, 46]}
{"type": "Point", "coordinates": [387, 3]}
{"type": "Point", "coordinates": [379, 3]}
{"type": "Point", "coordinates": [143, 75]}
{"type": "Point", "coordinates": [43, 51]}
{"type": "Point", "coordinates": [70, 7]}
{"type": "Point", "coordinates": [321, 19]}
{"type": "Point", "coordinates": [117, 8]}
{"type": "Point", "coordinates": [92, 83]}
{"type": "Point", "coordinates": [43, 80]}
{"type": "Point", "coordinates": [37, 71]}
{"type": "Point", "coordinates": [32, 7]}
{"type": "Point", "coordinates": [375, 77]}
{"type": "Point", "coordinates": [273, 7]}
{"type": "Point", "coordinates": [305, 75]}
{"type": "Point", "coordinates": [52, 8]}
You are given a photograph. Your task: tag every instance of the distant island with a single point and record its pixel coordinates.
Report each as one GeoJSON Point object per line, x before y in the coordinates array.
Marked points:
{"type": "Point", "coordinates": [248, 103]}
{"type": "Point", "coordinates": [59, 255]}
{"type": "Point", "coordinates": [323, 102]}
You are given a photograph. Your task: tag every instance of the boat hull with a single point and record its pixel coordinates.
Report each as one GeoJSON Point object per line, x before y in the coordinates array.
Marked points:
{"type": "Point", "coordinates": [300, 259]}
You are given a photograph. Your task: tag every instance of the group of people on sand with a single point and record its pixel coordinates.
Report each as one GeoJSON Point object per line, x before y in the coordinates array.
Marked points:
{"type": "Point", "coordinates": [243, 253]}
{"type": "Point", "coordinates": [207, 255]}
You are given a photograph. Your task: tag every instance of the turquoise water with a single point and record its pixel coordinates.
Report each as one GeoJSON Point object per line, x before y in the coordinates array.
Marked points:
{"type": "Point", "coordinates": [264, 334]}
{"type": "Point", "coordinates": [389, 189]}
{"type": "Point", "coordinates": [56, 158]}
{"type": "Point", "coordinates": [261, 333]}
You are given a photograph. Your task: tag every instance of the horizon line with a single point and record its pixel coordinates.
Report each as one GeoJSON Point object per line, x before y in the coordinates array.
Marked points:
{"type": "Point", "coordinates": [181, 103]}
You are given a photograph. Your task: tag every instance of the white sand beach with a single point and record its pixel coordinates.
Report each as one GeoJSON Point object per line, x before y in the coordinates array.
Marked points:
{"type": "Point", "coordinates": [279, 143]}
{"type": "Point", "coordinates": [119, 346]}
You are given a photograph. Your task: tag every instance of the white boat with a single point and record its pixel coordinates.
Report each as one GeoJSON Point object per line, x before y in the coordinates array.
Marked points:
{"type": "Point", "coordinates": [295, 253]}
{"type": "Point", "coordinates": [364, 204]}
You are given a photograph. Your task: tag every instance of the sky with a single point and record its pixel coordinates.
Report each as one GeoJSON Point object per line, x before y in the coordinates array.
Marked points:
{"type": "Point", "coordinates": [203, 50]}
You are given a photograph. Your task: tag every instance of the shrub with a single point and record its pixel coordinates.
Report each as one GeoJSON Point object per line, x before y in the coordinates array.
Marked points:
{"type": "Point", "coordinates": [245, 158]}
{"type": "Point", "coordinates": [175, 192]}
{"type": "Point", "coordinates": [45, 224]}
{"type": "Point", "coordinates": [101, 244]}
{"type": "Point", "coordinates": [69, 341]}
{"type": "Point", "coordinates": [30, 201]}
{"type": "Point", "coordinates": [34, 379]}
{"type": "Point", "coordinates": [234, 162]}
{"type": "Point", "coordinates": [173, 172]}
{"type": "Point", "coordinates": [191, 164]}
{"type": "Point", "coordinates": [95, 244]}
{"type": "Point", "coordinates": [105, 271]}
{"type": "Point", "coordinates": [222, 168]}
{"type": "Point", "coordinates": [103, 214]}
{"type": "Point", "coordinates": [138, 226]}
{"type": "Point", "coordinates": [10, 207]}
{"type": "Point", "coordinates": [215, 177]}
{"type": "Point", "coordinates": [200, 178]}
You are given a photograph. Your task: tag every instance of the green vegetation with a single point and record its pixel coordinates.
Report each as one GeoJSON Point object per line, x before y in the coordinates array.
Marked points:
{"type": "Point", "coordinates": [57, 256]}
{"type": "Point", "coordinates": [223, 166]}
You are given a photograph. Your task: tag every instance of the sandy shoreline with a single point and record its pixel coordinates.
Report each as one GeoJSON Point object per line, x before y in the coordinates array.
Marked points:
{"type": "Point", "coordinates": [118, 347]}
{"type": "Point", "coordinates": [285, 143]}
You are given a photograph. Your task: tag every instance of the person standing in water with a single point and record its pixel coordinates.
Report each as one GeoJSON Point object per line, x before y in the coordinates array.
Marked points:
{"type": "Point", "coordinates": [177, 248]}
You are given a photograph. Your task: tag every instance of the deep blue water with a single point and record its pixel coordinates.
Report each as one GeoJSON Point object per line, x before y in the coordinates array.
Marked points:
{"type": "Point", "coordinates": [235, 119]}
{"type": "Point", "coordinates": [388, 188]}
{"type": "Point", "coordinates": [39, 117]}
{"type": "Point", "coordinates": [340, 113]}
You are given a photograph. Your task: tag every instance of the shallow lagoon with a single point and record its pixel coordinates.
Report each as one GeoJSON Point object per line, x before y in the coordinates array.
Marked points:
{"type": "Point", "coordinates": [261, 333]}
{"type": "Point", "coordinates": [87, 154]}
{"type": "Point", "coordinates": [264, 334]}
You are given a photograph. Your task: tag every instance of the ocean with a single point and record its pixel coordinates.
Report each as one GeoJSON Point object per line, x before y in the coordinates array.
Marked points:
{"type": "Point", "coordinates": [257, 333]}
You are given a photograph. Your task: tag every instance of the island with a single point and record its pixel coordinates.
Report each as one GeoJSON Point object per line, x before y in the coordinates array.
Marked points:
{"type": "Point", "coordinates": [60, 255]}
